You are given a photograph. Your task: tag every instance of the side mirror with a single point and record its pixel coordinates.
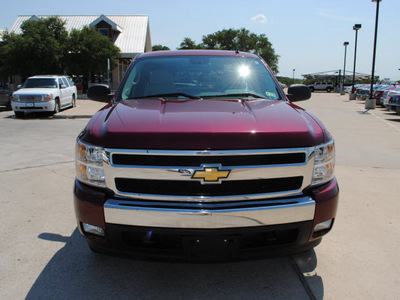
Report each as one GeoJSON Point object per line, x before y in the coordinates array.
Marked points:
{"type": "Point", "coordinates": [19, 86]}
{"type": "Point", "coordinates": [298, 92]}
{"type": "Point", "coordinates": [62, 86]}
{"type": "Point", "coordinates": [99, 92]}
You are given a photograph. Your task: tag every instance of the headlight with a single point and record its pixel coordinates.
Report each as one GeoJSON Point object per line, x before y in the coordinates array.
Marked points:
{"type": "Point", "coordinates": [15, 97]}
{"type": "Point", "coordinates": [89, 164]}
{"type": "Point", "coordinates": [324, 163]}
{"type": "Point", "coordinates": [47, 97]}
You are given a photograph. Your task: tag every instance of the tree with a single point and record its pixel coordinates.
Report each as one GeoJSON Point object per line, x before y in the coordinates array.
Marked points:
{"type": "Point", "coordinates": [188, 43]}
{"type": "Point", "coordinates": [237, 39]}
{"type": "Point", "coordinates": [39, 49]}
{"type": "Point", "coordinates": [159, 48]}
{"type": "Point", "coordinates": [89, 51]}
{"type": "Point", "coordinates": [44, 47]}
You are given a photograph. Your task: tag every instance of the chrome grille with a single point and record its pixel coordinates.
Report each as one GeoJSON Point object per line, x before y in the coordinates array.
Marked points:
{"type": "Point", "coordinates": [169, 175]}
{"type": "Point", "coordinates": [31, 98]}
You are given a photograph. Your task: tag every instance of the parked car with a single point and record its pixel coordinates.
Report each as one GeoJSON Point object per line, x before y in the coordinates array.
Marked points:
{"type": "Point", "coordinates": [347, 89]}
{"type": "Point", "coordinates": [5, 97]}
{"type": "Point", "coordinates": [283, 86]}
{"type": "Point", "coordinates": [378, 93]}
{"type": "Point", "coordinates": [387, 96]}
{"type": "Point", "coordinates": [362, 92]}
{"type": "Point", "coordinates": [44, 93]}
{"type": "Point", "coordinates": [321, 86]}
{"type": "Point", "coordinates": [394, 103]}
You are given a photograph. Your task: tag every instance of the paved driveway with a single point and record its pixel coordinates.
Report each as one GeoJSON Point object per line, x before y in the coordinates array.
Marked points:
{"type": "Point", "coordinates": [42, 254]}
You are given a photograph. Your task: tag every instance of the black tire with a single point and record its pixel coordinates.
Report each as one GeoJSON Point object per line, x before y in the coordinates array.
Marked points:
{"type": "Point", "coordinates": [56, 107]}
{"type": "Point", "coordinates": [8, 106]}
{"type": "Point", "coordinates": [311, 89]}
{"type": "Point", "coordinates": [73, 102]}
{"type": "Point", "coordinates": [329, 90]}
{"type": "Point", "coordinates": [19, 114]}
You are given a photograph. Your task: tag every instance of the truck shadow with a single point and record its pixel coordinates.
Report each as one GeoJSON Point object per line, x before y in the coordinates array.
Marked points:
{"type": "Point", "coordinates": [42, 116]}
{"type": "Point", "coordinates": [74, 272]}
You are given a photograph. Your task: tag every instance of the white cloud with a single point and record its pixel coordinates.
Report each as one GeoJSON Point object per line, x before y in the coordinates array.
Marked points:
{"type": "Point", "coordinates": [260, 18]}
{"type": "Point", "coordinates": [325, 14]}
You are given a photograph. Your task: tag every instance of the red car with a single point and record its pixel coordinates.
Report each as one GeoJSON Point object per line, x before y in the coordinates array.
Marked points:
{"type": "Point", "coordinates": [200, 155]}
{"type": "Point", "coordinates": [379, 92]}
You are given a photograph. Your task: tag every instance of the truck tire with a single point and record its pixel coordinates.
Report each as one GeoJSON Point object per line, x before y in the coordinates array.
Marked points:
{"type": "Point", "coordinates": [329, 89]}
{"type": "Point", "coordinates": [19, 114]}
{"type": "Point", "coordinates": [56, 107]}
{"type": "Point", "coordinates": [8, 106]}
{"type": "Point", "coordinates": [73, 101]}
{"type": "Point", "coordinates": [311, 89]}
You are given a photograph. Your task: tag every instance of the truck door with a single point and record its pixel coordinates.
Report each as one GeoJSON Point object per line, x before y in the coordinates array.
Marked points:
{"type": "Point", "coordinates": [61, 87]}
{"type": "Point", "coordinates": [67, 92]}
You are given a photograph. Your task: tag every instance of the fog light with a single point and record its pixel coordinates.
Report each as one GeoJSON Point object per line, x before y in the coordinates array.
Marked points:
{"type": "Point", "coordinates": [93, 229]}
{"type": "Point", "coordinates": [324, 226]}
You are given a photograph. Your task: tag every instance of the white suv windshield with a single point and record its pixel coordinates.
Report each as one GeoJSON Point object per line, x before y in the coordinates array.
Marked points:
{"type": "Point", "coordinates": [40, 83]}
{"type": "Point", "coordinates": [198, 77]}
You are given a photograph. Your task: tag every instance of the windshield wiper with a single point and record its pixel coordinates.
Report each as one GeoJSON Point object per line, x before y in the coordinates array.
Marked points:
{"type": "Point", "coordinates": [241, 95]}
{"type": "Point", "coordinates": [166, 95]}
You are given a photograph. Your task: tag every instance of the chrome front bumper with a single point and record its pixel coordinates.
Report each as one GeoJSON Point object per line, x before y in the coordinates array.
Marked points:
{"type": "Point", "coordinates": [34, 106]}
{"type": "Point", "coordinates": [257, 213]}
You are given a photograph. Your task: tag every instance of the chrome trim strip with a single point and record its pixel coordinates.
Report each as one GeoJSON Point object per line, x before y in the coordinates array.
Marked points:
{"type": "Point", "coordinates": [185, 173]}
{"type": "Point", "coordinates": [210, 198]}
{"type": "Point", "coordinates": [120, 212]}
{"type": "Point", "coordinates": [209, 152]}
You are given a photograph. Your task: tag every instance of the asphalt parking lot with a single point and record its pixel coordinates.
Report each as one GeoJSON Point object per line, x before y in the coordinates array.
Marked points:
{"type": "Point", "coordinates": [42, 254]}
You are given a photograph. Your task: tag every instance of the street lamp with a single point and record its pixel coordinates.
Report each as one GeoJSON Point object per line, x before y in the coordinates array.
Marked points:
{"type": "Point", "coordinates": [345, 44]}
{"type": "Point", "coordinates": [352, 96]}
{"type": "Point", "coordinates": [370, 103]}
{"type": "Point", "coordinates": [293, 75]}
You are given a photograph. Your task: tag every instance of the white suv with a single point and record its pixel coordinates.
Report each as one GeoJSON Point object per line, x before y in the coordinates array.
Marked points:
{"type": "Point", "coordinates": [321, 86]}
{"type": "Point", "coordinates": [44, 93]}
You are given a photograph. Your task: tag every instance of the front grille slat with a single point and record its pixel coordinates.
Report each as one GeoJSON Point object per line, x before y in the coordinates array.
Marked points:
{"type": "Point", "coordinates": [194, 161]}
{"type": "Point", "coordinates": [31, 98]}
{"type": "Point", "coordinates": [194, 188]}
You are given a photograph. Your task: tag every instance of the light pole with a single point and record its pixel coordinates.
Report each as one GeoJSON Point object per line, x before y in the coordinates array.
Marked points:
{"type": "Point", "coordinates": [293, 75]}
{"type": "Point", "coordinates": [371, 103]}
{"type": "Point", "coordinates": [345, 44]}
{"type": "Point", "coordinates": [352, 96]}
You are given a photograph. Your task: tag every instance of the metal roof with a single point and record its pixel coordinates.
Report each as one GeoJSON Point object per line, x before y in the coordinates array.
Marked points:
{"type": "Point", "coordinates": [134, 31]}
{"type": "Point", "coordinates": [333, 74]}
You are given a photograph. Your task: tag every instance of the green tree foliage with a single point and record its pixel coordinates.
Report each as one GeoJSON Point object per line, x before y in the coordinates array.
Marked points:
{"type": "Point", "coordinates": [237, 39]}
{"type": "Point", "coordinates": [44, 47]}
{"type": "Point", "coordinates": [188, 44]}
{"type": "Point", "coordinates": [39, 49]}
{"type": "Point", "coordinates": [88, 52]}
{"type": "Point", "coordinates": [159, 48]}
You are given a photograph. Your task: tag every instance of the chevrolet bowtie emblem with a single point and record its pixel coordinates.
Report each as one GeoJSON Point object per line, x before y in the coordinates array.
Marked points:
{"type": "Point", "coordinates": [210, 175]}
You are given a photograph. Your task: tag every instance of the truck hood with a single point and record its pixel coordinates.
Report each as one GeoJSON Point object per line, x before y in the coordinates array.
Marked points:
{"type": "Point", "coordinates": [35, 91]}
{"type": "Point", "coordinates": [203, 124]}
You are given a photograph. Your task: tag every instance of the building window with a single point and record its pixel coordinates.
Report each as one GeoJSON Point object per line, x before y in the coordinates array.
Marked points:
{"type": "Point", "coordinates": [104, 31]}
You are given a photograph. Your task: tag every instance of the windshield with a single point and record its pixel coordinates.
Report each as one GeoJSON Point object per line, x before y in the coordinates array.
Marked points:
{"type": "Point", "coordinates": [198, 77]}
{"type": "Point", "coordinates": [40, 83]}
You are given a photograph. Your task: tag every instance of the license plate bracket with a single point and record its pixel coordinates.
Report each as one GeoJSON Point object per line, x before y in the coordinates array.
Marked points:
{"type": "Point", "coordinates": [219, 247]}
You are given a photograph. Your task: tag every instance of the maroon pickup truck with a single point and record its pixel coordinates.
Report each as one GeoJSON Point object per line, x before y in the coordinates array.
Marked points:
{"type": "Point", "coordinates": [200, 155]}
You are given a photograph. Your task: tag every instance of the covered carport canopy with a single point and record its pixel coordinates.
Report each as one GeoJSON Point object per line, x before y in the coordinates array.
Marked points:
{"type": "Point", "coordinates": [335, 76]}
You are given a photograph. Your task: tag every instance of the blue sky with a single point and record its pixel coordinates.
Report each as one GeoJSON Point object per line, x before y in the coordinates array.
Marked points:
{"type": "Point", "coordinates": [308, 35]}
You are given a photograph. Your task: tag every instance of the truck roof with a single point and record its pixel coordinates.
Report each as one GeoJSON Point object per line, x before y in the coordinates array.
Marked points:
{"type": "Point", "coordinates": [198, 53]}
